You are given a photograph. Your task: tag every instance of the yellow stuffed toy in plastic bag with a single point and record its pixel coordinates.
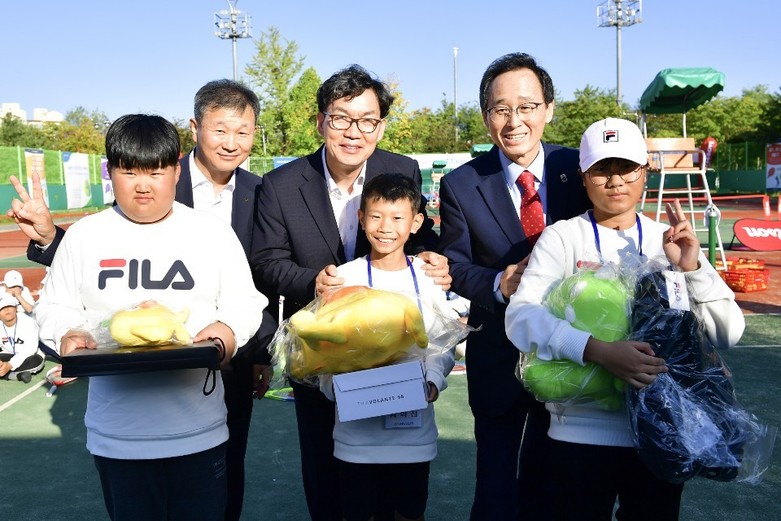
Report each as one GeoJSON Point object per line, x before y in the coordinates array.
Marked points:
{"type": "Point", "coordinates": [355, 328]}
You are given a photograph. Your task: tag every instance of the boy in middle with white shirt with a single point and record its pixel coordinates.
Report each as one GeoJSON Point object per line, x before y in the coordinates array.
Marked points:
{"type": "Point", "coordinates": [379, 465]}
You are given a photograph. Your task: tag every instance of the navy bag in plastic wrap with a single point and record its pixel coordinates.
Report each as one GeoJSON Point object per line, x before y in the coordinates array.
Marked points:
{"type": "Point", "coordinates": [688, 422]}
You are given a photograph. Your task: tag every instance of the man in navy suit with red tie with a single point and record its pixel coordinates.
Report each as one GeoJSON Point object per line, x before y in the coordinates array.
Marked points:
{"type": "Point", "coordinates": [484, 236]}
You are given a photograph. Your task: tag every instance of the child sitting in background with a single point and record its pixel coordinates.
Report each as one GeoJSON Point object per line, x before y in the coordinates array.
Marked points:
{"type": "Point", "coordinates": [14, 284]}
{"type": "Point", "coordinates": [380, 466]}
{"type": "Point", "coordinates": [19, 354]}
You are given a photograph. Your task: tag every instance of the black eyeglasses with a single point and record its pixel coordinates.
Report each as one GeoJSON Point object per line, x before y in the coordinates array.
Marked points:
{"type": "Point", "coordinates": [339, 122]}
{"type": "Point", "coordinates": [599, 176]}
{"type": "Point", "coordinates": [500, 113]}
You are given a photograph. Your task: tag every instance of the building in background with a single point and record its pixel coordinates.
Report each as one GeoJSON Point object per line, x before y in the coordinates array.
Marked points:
{"type": "Point", "coordinates": [40, 115]}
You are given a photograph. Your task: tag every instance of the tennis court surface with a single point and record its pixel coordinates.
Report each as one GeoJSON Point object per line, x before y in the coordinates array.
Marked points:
{"type": "Point", "coordinates": [48, 473]}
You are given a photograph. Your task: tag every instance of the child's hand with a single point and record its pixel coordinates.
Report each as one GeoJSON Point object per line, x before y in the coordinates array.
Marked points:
{"type": "Point", "coordinates": [223, 332]}
{"type": "Point", "coordinates": [433, 392]}
{"type": "Point", "coordinates": [630, 360]}
{"type": "Point", "coordinates": [681, 245]}
{"type": "Point", "coordinates": [76, 339]}
{"type": "Point", "coordinates": [5, 368]}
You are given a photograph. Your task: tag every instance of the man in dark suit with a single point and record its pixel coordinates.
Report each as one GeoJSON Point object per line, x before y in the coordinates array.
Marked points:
{"type": "Point", "coordinates": [482, 236]}
{"type": "Point", "coordinates": [308, 224]}
{"type": "Point", "coordinates": [223, 127]}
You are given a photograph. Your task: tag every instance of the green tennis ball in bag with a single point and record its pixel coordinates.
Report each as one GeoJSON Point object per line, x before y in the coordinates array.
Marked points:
{"type": "Point", "coordinates": [593, 303]}
{"type": "Point", "coordinates": [600, 306]}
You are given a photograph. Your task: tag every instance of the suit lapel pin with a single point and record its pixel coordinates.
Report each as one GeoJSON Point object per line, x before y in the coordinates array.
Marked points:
{"type": "Point", "coordinates": [563, 178]}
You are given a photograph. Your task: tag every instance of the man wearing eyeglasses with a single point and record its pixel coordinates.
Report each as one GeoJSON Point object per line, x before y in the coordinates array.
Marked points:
{"type": "Point", "coordinates": [492, 209]}
{"type": "Point", "coordinates": [308, 224]}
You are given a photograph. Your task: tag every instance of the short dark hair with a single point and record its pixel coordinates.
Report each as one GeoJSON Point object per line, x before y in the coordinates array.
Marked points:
{"type": "Point", "coordinates": [349, 83]}
{"type": "Point", "coordinates": [224, 94]}
{"type": "Point", "coordinates": [142, 141]}
{"type": "Point", "coordinates": [512, 62]}
{"type": "Point", "coordinates": [391, 187]}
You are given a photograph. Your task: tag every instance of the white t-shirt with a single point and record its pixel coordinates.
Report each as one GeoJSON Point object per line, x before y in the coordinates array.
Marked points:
{"type": "Point", "coordinates": [368, 440]}
{"type": "Point", "coordinates": [530, 325]}
{"type": "Point", "coordinates": [107, 263]}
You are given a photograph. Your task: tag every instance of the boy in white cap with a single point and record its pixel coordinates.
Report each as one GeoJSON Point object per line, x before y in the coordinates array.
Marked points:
{"type": "Point", "coordinates": [14, 284]}
{"type": "Point", "coordinates": [19, 354]}
{"type": "Point", "coordinates": [592, 460]}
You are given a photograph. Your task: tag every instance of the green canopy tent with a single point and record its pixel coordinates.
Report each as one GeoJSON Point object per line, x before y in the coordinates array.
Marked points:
{"type": "Point", "coordinates": [678, 90]}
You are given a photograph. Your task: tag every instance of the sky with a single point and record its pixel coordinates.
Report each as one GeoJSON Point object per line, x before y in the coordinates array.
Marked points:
{"type": "Point", "coordinates": [151, 56]}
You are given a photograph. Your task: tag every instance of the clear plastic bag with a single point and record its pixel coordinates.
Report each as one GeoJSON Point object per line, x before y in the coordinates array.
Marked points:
{"type": "Point", "coordinates": [596, 299]}
{"type": "Point", "coordinates": [358, 328]}
{"type": "Point", "coordinates": [688, 422]}
{"type": "Point", "coordinates": [147, 324]}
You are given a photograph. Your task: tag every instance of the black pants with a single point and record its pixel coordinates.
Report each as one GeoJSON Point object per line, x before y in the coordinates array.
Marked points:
{"type": "Point", "coordinates": [184, 488]}
{"type": "Point", "coordinates": [320, 470]}
{"type": "Point", "coordinates": [511, 468]}
{"type": "Point", "coordinates": [238, 385]}
{"type": "Point", "coordinates": [31, 363]}
{"type": "Point", "coordinates": [588, 479]}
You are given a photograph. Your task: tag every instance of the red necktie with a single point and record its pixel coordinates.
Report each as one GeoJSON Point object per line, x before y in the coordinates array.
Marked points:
{"type": "Point", "coordinates": [532, 219]}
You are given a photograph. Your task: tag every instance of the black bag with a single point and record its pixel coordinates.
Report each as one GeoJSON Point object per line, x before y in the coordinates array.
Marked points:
{"type": "Point", "coordinates": [688, 422]}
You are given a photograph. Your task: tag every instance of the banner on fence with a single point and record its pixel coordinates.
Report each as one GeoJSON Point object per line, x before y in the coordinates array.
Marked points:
{"type": "Point", "coordinates": [105, 179]}
{"type": "Point", "coordinates": [75, 167]}
{"type": "Point", "coordinates": [773, 179]}
{"type": "Point", "coordinates": [33, 160]}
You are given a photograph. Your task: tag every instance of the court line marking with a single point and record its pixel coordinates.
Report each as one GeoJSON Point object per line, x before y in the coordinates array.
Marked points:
{"type": "Point", "coordinates": [31, 390]}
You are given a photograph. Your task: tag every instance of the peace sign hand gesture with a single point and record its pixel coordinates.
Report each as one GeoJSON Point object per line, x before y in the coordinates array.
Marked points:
{"type": "Point", "coordinates": [681, 245]}
{"type": "Point", "coordinates": [31, 213]}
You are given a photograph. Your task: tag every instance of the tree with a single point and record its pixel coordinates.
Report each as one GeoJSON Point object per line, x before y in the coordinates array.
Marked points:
{"type": "Point", "coordinates": [572, 118]}
{"type": "Point", "coordinates": [81, 132]}
{"type": "Point", "coordinates": [398, 129]}
{"type": "Point", "coordinates": [300, 115]}
{"type": "Point", "coordinates": [769, 130]}
{"type": "Point", "coordinates": [13, 131]}
{"type": "Point", "coordinates": [729, 119]}
{"type": "Point", "coordinates": [471, 128]}
{"type": "Point", "coordinates": [272, 71]}
{"type": "Point", "coordinates": [185, 135]}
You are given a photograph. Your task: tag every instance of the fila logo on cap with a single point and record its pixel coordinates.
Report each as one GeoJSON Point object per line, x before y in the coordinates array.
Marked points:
{"type": "Point", "coordinates": [610, 136]}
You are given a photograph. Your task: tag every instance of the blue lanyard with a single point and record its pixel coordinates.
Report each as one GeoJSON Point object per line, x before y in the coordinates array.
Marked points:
{"type": "Point", "coordinates": [596, 234]}
{"type": "Point", "coordinates": [411, 270]}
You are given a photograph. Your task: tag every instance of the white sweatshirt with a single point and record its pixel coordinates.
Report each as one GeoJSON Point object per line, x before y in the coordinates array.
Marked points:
{"type": "Point", "coordinates": [107, 263]}
{"type": "Point", "coordinates": [367, 440]}
{"type": "Point", "coordinates": [530, 325]}
{"type": "Point", "coordinates": [21, 339]}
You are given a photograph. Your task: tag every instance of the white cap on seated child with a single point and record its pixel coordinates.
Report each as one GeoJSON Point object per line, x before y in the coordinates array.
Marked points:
{"type": "Point", "coordinates": [612, 137]}
{"type": "Point", "coordinates": [12, 279]}
{"type": "Point", "coordinates": [6, 299]}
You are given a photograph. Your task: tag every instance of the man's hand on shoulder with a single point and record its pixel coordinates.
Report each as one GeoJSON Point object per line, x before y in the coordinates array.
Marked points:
{"type": "Point", "coordinates": [328, 280]}
{"type": "Point", "coordinates": [436, 266]}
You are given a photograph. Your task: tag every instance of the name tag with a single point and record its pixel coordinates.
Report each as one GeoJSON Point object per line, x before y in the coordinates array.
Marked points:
{"type": "Point", "coordinates": [677, 293]}
{"type": "Point", "coordinates": [404, 420]}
